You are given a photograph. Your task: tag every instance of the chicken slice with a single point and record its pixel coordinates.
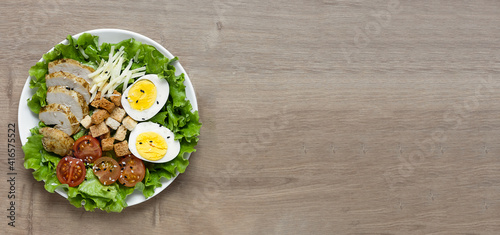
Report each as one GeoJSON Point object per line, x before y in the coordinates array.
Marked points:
{"type": "Point", "coordinates": [60, 116]}
{"type": "Point", "coordinates": [56, 141]}
{"type": "Point", "coordinates": [71, 66]}
{"type": "Point", "coordinates": [75, 102]}
{"type": "Point", "coordinates": [71, 81]}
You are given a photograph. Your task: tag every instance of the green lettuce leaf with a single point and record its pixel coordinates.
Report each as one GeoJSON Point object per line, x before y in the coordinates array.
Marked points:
{"type": "Point", "coordinates": [80, 133]}
{"type": "Point", "coordinates": [70, 50]}
{"type": "Point", "coordinates": [94, 195]}
{"type": "Point", "coordinates": [37, 74]}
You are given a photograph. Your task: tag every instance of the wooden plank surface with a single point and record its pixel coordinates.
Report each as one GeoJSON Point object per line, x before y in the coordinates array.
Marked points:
{"type": "Point", "coordinates": [319, 117]}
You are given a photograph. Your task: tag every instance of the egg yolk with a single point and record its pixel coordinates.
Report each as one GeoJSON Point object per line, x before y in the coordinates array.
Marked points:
{"type": "Point", "coordinates": [142, 95]}
{"type": "Point", "coordinates": [151, 146]}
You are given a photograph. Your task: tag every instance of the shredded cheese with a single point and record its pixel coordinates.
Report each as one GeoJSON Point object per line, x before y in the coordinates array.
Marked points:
{"type": "Point", "coordinates": [110, 75]}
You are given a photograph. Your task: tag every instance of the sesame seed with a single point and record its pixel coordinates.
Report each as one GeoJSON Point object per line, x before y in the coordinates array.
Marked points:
{"type": "Point", "coordinates": [142, 90]}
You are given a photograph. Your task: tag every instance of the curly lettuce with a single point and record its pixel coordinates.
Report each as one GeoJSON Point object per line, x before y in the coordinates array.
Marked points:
{"type": "Point", "coordinates": [177, 115]}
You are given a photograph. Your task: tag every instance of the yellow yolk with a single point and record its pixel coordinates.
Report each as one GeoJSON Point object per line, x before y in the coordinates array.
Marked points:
{"type": "Point", "coordinates": [151, 145]}
{"type": "Point", "coordinates": [142, 95]}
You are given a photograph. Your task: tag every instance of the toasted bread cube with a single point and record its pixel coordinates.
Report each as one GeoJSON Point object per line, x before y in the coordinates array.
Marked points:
{"type": "Point", "coordinates": [86, 122]}
{"type": "Point", "coordinates": [107, 144]}
{"type": "Point", "coordinates": [121, 148]}
{"type": "Point", "coordinates": [116, 98]}
{"type": "Point", "coordinates": [106, 104]}
{"type": "Point", "coordinates": [120, 133]}
{"type": "Point", "coordinates": [105, 135]}
{"type": "Point", "coordinates": [129, 123]}
{"type": "Point", "coordinates": [118, 114]}
{"type": "Point", "coordinates": [99, 129]}
{"type": "Point", "coordinates": [99, 116]}
{"type": "Point", "coordinates": [97, 100]}
{"type": "Point", "coordinates": [112, 123]}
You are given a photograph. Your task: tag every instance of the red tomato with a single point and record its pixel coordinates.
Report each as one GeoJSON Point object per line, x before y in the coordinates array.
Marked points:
{"type": "Point", "coordinates": [107, 170]}
{"type": "Point", "coordinates": [71, 171]}
{"type": "Point", "coordinates": [87, 148]}
{"type": "Point", "coordinates": [132, 170]}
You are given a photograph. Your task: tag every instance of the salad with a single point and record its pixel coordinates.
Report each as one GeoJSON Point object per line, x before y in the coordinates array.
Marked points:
{"type": "Point", "coordinates": [123, 127]}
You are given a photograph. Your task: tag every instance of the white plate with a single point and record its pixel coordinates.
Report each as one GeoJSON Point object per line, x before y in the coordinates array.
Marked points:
{"type": "Point", "coordinates": [28, 119]}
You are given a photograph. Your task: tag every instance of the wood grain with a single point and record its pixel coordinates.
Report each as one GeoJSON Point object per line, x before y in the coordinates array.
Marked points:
{"type": "Point", "coordinates": [319, 117]}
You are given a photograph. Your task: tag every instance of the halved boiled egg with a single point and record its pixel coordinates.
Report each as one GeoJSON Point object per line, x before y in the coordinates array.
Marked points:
{"type": "Point", "coordinates": [153, 142]}
{"type": "Point", "coordinates": [145, 97]}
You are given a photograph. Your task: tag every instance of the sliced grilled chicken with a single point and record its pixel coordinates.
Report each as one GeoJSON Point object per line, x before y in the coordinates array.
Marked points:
{"type": "Point", "coordinates": [75, 102]}
{"type": "Point", "coordinates": [56, 141]}
{"type": "Point", "coordinates": [60, 116]}
{"type": "Point", "coordinates": [71, 66]}
{"type": "Point", "coordinates": [71, 81]}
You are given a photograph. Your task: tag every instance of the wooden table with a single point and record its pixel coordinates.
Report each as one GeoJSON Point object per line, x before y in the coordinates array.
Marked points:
{"type": "Point", "coordinates": [319, 117]}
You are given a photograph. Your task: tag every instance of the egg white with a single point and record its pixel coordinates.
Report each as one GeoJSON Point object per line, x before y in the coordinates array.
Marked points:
{"type": "Point", "coordinates": [162, 91]}
{"type": "Point", "coordinates": [174, 146]}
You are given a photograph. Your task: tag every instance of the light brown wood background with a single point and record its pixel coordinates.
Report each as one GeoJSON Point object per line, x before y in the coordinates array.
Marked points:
{"type": "Point", "coordinates": [320, 117]}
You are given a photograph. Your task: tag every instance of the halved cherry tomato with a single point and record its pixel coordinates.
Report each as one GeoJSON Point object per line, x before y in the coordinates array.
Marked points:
{"type": "Point", "coordinates": [132, 170]}
{"type": "Point", "coordinates": [107, 170]}
{"type": "Point", "coordinates": [70, 171]}
{"type": "Point", "coordinates": [87, 148]}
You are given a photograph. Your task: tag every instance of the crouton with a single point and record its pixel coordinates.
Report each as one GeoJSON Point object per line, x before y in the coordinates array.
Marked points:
{"type": "Point", "coordinates": [120, 134]}
{"type": "Point", "coordinates": [112, 123]}
{"type": "Point", "coordinates": [129, 123]}
{"type": "Point", "coordinates": [106, 104]}
{"type": "Point", "coordinates": [118, 114]}
{"type": "Point", "coordinates": [105, 135]}
{"type": "Point", "coordinates": [116, 98]}
{"type": "Point", "coordinates": [98, 130]}
{"type": "Point", "coordinates": [99, 116]}
{"type": "Point", "coordinates": [86, 122]}
{"type": "Point", "coordinates": [97, 100]}
{"type": "Point", "coordinates": [121, 148]}
{"type": "Point", "coordinates": [107, 144]}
